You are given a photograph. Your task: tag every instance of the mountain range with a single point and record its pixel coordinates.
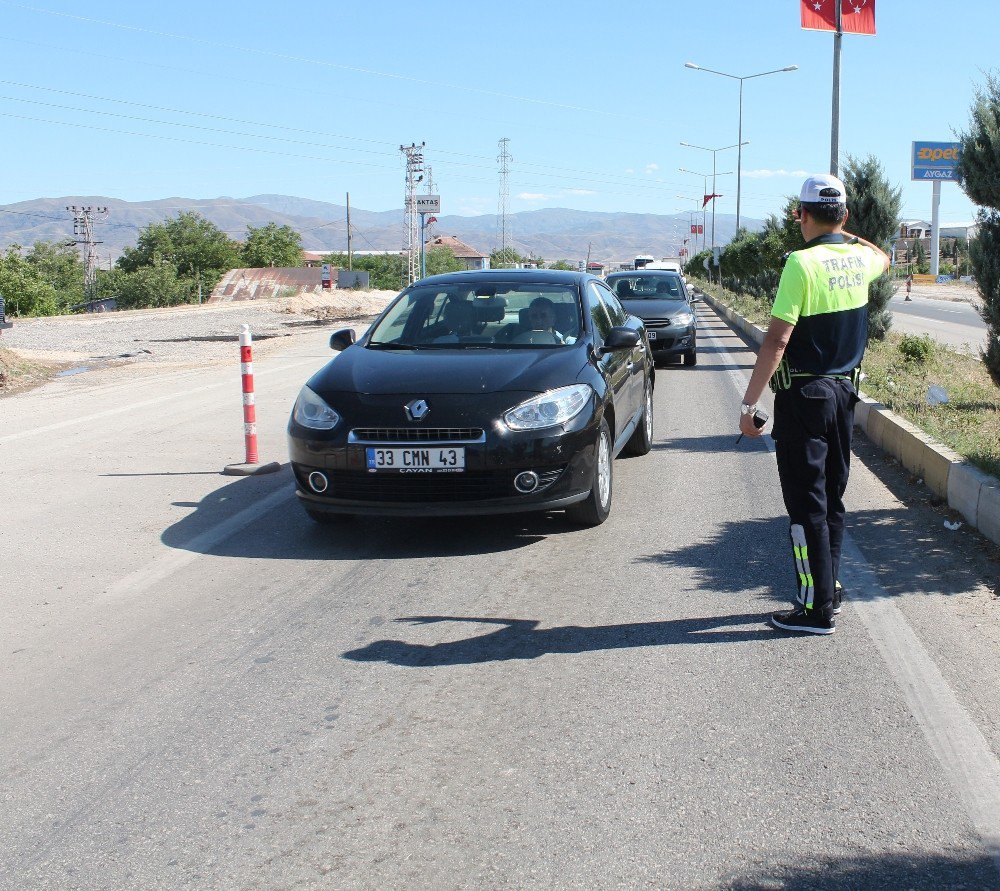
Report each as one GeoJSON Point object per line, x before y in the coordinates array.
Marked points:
{"type": "Point", "coordinates": [551, 233]}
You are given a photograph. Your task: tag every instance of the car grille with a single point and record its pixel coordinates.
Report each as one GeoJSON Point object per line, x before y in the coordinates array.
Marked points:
{"type": "Point", "coordinates": [430, 487]}
{"type": "Point", "coordinates": [657, 323]}
{"type": "Point", "coordinates": [417, 434]}
{"type": "Point", "coordinates": [662, 343]}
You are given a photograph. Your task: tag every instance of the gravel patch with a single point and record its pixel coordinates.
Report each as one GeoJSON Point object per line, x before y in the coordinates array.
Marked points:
{"type": "Point", "coordinates": [178, 335]}
{"type": "Point", "coordinates": [35, 350]}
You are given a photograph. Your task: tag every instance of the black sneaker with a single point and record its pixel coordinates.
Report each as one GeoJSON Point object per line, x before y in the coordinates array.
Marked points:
{"type": "Point", "coordinates": [838, 596]}
{"type": "Point", "coordinates": [801, 620]}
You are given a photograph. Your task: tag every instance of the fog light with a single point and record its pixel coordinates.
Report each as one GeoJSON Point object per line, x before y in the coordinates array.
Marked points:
{"type": "Point", "coordinates": [526, 482]}
{"type": "Point", "coordinates": [318, 482]}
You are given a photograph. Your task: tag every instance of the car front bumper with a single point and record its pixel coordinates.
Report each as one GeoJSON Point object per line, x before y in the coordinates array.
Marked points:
{"type": "Point", "coordinates": [563, 459]}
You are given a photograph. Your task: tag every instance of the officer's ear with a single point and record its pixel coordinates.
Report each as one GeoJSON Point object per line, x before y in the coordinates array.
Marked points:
{"type": "Point", "coordinates": [847, 214]}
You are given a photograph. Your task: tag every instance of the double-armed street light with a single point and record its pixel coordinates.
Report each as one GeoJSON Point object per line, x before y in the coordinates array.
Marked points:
{"type": "Point", "coordinates": [693, 214]}
{"type": "Point", "coordinates": [714, 152]}
{"type": "Point", "coordinates": [740, 143]}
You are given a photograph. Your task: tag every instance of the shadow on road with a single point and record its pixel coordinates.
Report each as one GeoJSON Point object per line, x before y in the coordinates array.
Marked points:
{"type": "Point", "coordinates": [875, 872]}
{"type": "Point", "coordinates": [898, 544]}
{"type": "Point", "coordinates": [522, 639]}
{"type": "Point", "coordinates": [259, 517]}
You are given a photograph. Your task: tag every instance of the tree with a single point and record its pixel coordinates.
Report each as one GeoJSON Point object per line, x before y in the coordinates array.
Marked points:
{"type": "Point", "coordinates": [153, 285]}
{"type": "Point", "coordinates": [24, 291]}
{"type": "Point", "coordinates": [272, 245]}
{"type": "Point", "coordinates": [873, 206]}
{"type": "Point", "coordinates": [439, 260]}
{"type": "Point", "coordinates": [188, 242]}
{"type": "Point", "coordinates": [506, 259]}
{"type": "Point", "coordinates": [60, 266]}
{"type": "Point", "coordinates": [563, 264]}
{"type": "Point", "coordinates": [979, 176]}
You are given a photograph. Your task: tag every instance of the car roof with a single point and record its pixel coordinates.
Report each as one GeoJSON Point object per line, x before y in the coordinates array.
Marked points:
{"type": "Point", "coordinates": [540, 276]}
{"type": "Point", "coordinates": [672, 272]}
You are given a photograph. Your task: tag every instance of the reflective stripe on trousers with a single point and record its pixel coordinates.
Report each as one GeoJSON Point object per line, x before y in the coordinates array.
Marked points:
{"type": "Point", "coordinates": [800, 549]}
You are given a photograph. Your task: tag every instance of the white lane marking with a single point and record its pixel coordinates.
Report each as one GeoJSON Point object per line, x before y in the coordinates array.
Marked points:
{"type": "Point", "coordinates": [121, 409]}
{"type": "Point", "coordinates": [956, 741]}
{"type": "Point", "coordinates": [168, 563]}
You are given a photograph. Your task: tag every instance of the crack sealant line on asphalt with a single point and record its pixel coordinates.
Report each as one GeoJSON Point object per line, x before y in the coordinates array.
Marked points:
{"type": "Point", "coordinates": [956, 741]}
{"type": "Point", "coordinates": [168, 563]}
{"type": "Point", "coordinates": [121, 409]}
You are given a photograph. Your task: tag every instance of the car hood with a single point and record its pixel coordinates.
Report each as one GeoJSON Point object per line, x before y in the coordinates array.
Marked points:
{"type": "Point", "coordinates": [653, 308]}
{"type": "Point", "coordinates": [395, 372]}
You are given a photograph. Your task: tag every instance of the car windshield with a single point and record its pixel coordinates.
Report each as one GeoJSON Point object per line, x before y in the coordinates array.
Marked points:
{"type": "Point", "coordinates": [477, 315]}
{"type": "Point", "coordinates": [648, 287]}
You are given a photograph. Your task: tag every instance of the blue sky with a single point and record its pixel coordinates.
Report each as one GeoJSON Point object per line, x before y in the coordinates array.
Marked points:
{"type": "Point", "coordinates": [198, 100]}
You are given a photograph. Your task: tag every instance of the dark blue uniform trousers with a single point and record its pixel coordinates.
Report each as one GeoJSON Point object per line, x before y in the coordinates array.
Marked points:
{"type": "Point", "coordinates": [813, 428]}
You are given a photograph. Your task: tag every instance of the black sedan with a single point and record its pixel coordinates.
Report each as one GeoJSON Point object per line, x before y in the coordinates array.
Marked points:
{"type": "Point", "coordinates": [477, 393]}
{"type": "Point", "coordinates": [661, 299]}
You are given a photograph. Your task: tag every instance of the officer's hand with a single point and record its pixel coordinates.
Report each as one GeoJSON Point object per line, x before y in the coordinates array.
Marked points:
{"type": "Point", "coordinates": [747, 426]}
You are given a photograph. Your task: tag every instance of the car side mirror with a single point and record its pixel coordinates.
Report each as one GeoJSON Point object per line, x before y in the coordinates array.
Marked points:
{"type": "Point", "coordinates": [619, 338]}
{"type": "Point", "coordinates": [342, 339]}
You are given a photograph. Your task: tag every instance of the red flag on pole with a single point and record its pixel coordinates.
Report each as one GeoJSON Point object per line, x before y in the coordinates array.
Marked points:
{"type": "Point", "coordinates": [857, 16]}
{"type": "Point", "coordinates": [709, 198]}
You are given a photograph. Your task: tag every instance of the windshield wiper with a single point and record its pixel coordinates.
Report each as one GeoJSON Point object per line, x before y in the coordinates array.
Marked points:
{"type": "Point", "coordinates": [391, 345]}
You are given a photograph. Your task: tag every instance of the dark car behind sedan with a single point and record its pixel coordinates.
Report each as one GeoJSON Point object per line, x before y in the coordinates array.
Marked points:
{"type": "Point", "coordinates": [477, 393]}
{"type": "Point", "coordinates": [662, 301]}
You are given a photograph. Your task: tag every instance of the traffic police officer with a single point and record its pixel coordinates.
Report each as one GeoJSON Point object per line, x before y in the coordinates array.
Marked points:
{"type": "Point", "coordinates": [812, 355]}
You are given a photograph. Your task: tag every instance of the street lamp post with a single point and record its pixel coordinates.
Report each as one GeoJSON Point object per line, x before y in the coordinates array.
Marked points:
{"type": "Point", "coordinates": [693, 214]}
{"type": "Point", "coordinates": [714, 175]}
{"type": "Point", "coordinates": [740, 143]}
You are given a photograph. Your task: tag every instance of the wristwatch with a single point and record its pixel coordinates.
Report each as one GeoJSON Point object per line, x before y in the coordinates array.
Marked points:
{"type": "Point", "coordinates": [746, 409]}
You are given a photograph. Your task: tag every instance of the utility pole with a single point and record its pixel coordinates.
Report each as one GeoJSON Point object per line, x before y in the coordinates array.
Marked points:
{"type": "Point", "coordinates": [431, 190]}
{"type": "Point", "coordinates": [503, 202]}
{"type": "Point", "coordinates": [414, 174]}
{"type": "Point", "coordinates": [350, 257]}
{"type": "Point", "coordinates": [83, 234]}
{"type": "Point", "coordinates": [838, 38]}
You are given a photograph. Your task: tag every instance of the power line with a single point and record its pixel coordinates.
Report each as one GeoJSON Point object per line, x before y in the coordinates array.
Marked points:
{"type": "Point", "coordinates": [83, 232]}
{"type": "Point", "coordinates": [324, 63]}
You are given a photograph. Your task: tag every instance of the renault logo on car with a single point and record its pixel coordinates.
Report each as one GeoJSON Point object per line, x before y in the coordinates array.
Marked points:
{"type": "Point", "coordinates": [417, 410]}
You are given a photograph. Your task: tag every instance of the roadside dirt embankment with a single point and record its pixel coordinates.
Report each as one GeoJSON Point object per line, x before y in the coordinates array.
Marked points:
{"type": "Point", "coordinates": [35, 350]}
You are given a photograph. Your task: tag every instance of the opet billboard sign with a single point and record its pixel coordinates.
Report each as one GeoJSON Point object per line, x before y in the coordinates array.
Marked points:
{"type": "Point", "coordinates": [935, 160]}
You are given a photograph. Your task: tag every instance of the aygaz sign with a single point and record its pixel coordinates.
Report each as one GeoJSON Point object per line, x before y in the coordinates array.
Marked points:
{"type": "Point", "coordinates": [935, 160]}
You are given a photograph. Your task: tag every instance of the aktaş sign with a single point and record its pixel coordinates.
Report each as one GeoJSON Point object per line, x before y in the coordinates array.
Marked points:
{"type": "Point", "coordinates": [935, 160]}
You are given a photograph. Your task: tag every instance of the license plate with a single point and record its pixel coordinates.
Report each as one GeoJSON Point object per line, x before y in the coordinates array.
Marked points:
{"type": "Point", "coordinates": [652, 335]}
{"type": "Point", "coordinates": [411, 460]}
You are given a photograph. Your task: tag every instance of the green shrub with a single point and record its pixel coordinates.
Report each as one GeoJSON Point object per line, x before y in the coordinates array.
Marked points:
{"type": "Point", "coordinates": [917, 349]}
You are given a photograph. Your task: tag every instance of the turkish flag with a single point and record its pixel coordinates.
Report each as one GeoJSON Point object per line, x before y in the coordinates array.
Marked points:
{"type": "Point", "coordinates": [431, 220]}
{"type": "Point", "coordinates": [856, 17]}
{"type": "Point", "coordinates": [709, 198]}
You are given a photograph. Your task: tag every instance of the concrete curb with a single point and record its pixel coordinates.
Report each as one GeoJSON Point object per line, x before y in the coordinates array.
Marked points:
{"type": "Point", "coordinates": [968, 490]}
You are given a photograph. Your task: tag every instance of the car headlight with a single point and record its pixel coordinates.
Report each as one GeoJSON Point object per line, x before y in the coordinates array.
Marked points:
{"type": "Point", "coordinates": [550, 409]}
{"type": "Point", "coordinates": [311, 411]}
{"type": "Point", "coordinates": [684, 318]}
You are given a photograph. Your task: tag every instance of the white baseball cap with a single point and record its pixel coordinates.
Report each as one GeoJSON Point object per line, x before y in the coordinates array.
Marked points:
{"type": "Point", "coordinates": [822, 188]}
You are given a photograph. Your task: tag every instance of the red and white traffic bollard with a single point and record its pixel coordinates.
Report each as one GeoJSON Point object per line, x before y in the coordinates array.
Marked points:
{"type": "Point", "coordinates": [249, 408]}
{"type": "Point", "coordinates": [252, 465]}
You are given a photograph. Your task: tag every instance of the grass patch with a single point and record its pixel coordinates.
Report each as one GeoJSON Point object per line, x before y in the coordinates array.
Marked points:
{"type": "Point", "coordinates": [900, 370]}
{"type": "Point", "coordinates": [899, 373]}
{"type": "Point", "coordinates": [17, 374]}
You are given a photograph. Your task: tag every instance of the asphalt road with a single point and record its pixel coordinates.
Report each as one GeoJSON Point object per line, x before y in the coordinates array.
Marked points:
{"type": "Point", "coordinates": [953, 322]}
{"type": "Point", "coordinates": [202, 689]}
